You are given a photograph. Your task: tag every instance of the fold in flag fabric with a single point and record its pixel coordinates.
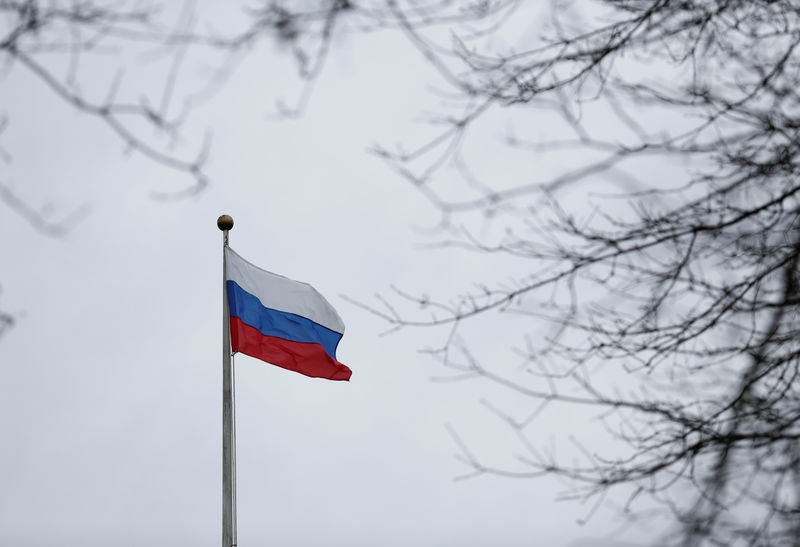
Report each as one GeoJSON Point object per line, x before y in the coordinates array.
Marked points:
{"type": "Point", "coordinates": [283, 322]}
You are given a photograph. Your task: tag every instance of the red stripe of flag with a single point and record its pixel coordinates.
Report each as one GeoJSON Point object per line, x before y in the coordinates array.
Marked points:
{"type": "Point", "coordinates": [303, 357]}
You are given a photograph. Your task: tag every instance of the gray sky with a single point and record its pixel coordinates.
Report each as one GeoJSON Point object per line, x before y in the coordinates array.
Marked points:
{"type": "Point", "coordinates": [110, 381]}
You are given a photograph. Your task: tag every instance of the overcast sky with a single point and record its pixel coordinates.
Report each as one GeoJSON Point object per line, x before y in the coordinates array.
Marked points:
{"type": "Point", "coordinates": [110, 380]}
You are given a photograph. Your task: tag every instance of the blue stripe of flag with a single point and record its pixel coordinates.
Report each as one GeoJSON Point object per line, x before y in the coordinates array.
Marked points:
{"type": "Point", "coordinates": [285, 325]}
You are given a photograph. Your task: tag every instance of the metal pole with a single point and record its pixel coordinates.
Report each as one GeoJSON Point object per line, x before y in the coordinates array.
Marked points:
{"type": "Point", "coordinates": [225, 223]}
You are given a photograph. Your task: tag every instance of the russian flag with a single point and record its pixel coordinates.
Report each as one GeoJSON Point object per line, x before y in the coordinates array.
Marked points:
{"type": "Point", "coordinates": [283, 322]}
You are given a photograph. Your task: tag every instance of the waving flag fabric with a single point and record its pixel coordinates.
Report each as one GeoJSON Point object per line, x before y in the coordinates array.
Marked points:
{"type": "Point", "coordinates": [283, 322]}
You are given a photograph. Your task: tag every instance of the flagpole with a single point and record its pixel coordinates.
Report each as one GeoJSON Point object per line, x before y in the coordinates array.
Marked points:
{"type": "Point", "coordinates": [225, 223]}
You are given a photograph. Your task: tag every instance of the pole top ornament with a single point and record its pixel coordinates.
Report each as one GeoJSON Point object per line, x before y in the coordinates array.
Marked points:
{"type": "Point", "coordinates": [225, 222]}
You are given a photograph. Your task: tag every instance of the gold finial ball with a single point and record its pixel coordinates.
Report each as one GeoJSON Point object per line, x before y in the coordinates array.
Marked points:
{"type": "Point", "coordinates": [225, 222]}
